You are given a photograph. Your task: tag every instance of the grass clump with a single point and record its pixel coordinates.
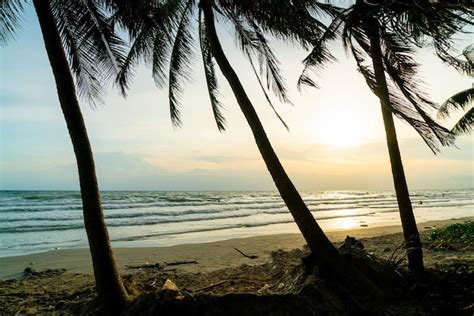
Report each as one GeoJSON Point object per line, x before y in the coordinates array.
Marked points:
{"type": "Point", "coordinates": [462, 233]}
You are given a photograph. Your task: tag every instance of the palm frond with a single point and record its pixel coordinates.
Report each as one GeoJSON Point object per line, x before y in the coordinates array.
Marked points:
{"type": "Point", "coordinates": [140, 48]}
{"type": "Point", "coordinates": [402, 69]}
{"type": "Point", "coordinates": [465, 124]}
{"type": "Point", "coordinates": [468, 53]}
{"type": "Point", "coordinates": [320, 54]}
{"type": "Point", "coordinates": [253, 42]}
{"type": "Point", "coordinates": [180, 60]}
{"type": "Point", "coordinates": [432, 133]}
{"type": "Point", "coordinates": [151, 28]}
{"type": "Point", "coordinates": [270, 66]}
{"type": "Point", "coordinates": [107, 45]}
{"type": "Point", "coordinates": [94, 51]}
{"type": "Point", "coordinates": [210, 74]}
{"type": "Point", "coordinates": [267, 96]}
{"type": "Point", "coordinates": [459, 101]}
{"type": "Point", "coordinates": [10, 19]}
{"type": "Point", "coordinates": [81, 63]}
{"type": "Point", "coordinates": [289, 21]}
{"type": "Point", "coordinates": [436, 21]}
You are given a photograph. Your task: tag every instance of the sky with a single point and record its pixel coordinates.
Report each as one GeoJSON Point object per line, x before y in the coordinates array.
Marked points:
{"type": "Point", "coordinates": [336, 139]}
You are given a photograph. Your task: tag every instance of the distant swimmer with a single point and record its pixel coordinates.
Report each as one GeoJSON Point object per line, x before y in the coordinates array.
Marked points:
{"type": "Point", "coordinates": [421, 202]}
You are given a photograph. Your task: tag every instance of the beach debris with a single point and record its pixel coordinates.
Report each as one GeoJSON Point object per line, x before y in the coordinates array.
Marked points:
{"type": "Point", "coordinates": [59, 304]}
{"type": "Point", "coordinates": [30, 272]}
{"type": "Point", "coordinates": [264, 288]}
{"type": "Point", "coordinates": [178, 262]}
{"type": "Point", "coordinates": [159, 266]}
{"type": "Point", "coordinates": [145, 266]}
{"type": "Point", "coordinates": [170, 291]}
{"type": "Point", "coordinates": [212, 285]}
{"type": "Point", "coordinates": [364, 225]}
{"type": "Point", "coordinates": [351, 242]}
{"type": "Point", "coordinates": [245, 255]}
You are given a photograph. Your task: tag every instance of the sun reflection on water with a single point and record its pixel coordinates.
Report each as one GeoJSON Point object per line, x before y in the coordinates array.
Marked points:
{"type": "Point", "coordinates": [345, 223]}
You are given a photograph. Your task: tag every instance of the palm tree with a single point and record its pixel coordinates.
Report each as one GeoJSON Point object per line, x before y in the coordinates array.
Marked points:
{"type": "Point", "coordinates": [164, 32]}
{"type": "Point", "coordinates": [79, 40]}
{"type": "Point", "coordinates": [387, 33]}
{"type": "Point", "coordinates": [461, 101]}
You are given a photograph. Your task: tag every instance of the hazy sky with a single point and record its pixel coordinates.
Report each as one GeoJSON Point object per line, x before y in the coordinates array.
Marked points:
{"type": "Point", "coordinates": [336, 138]}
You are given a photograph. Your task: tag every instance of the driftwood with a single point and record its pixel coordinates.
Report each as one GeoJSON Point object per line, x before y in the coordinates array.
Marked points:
{"type": "Point", "coordinates": [159, 266]}
{"type": "Point", "coordinates": [145, 266]}
{"type": "Point", "coordinates": [209, 286]}
{"type": "Point", "coordinates": [175, 263]}
{"type": "Point", "coordinates": [245, 255]}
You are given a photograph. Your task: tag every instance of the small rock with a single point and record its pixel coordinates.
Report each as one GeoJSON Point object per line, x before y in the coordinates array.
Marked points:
{"type": "Point", "coordinates": [264, 288]}
{"type": "Point", "coordinates": [170, 291]}
{"type": "Point", "coordinates": [29, 271]}
{"type": "Point", "coordinates": [59, 304]}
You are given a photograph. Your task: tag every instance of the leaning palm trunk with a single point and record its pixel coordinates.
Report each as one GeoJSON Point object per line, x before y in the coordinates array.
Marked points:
{"type": "Point", "coordinates": [410, 231]}
{"type": "Point", "coordinates": [108, 282]}
{"type": "Point", "coordinates": [313, 234]}
{"type": "Point", "coordinates": [333, 267]}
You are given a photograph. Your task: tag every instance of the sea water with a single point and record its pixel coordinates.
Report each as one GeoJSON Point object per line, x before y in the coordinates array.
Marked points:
{"type": "Point", "coordinates": [37, 221]}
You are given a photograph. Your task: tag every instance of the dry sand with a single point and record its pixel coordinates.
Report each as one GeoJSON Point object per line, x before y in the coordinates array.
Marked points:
{"type": "Point", "coordinates": [209, 256]}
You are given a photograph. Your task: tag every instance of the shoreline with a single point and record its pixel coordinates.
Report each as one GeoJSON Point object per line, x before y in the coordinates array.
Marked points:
{"type": "Point", "coordinates": [209, 256]}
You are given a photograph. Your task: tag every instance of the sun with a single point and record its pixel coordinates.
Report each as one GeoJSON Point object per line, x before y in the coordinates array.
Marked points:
{"type": "Point", "coordinates": [340, 128]}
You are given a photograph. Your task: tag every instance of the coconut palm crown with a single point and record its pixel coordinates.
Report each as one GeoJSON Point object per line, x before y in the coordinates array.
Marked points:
{"type": "Point", "coordinates": [403, 26]}
{"type": "Point", "coordinates": [461, 101]}
{"type": "Point", "coordinates": [165, 35]}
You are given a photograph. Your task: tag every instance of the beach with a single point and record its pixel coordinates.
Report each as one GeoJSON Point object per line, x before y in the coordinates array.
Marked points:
{"type": "Point", "coordinates": [209, 256]}
{"type": "Point", "coordinates": [62, 280]}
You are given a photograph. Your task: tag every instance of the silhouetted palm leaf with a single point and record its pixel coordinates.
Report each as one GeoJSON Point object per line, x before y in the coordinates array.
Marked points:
{"type": "Point", "coordinates": [180, 60]}
{"type": "Point", "coordinates": [95, 53]}
{"type": "Point", "coordinates": [211, 77]}
{"type": "Point", "coordinates": [465, 124]}
{"type": "Point", "coordinates": [10, 18]}
{"type": "Point", "coordinates": [460, 101]}
{"type": "Point", "coordinates": [169, 24]}
{"type": "Point", "coordinates": [400, 33]}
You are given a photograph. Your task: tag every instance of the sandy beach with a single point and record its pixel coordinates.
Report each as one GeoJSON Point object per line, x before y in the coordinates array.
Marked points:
{"type": "Point", "coordinates": [208, 256]}
{"type": "Point", "coordinates": [61, 281]}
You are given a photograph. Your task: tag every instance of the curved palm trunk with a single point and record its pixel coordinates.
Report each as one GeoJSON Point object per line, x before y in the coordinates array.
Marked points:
{"type": "Point", "coordinates": [108, 282]}
{"type": "Point", "coordinates": [313, 234]}
{"type": "Point", "coordinates": [410, 230]}
{"type": "Point", "coordinates": [341, 273]}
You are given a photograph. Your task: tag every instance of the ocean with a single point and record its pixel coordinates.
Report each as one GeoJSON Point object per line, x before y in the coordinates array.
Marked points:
{"type": "Point", "coordinates": [38, 221]}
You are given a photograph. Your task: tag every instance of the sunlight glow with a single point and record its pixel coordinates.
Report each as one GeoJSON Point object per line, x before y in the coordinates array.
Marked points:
{"type": "Point", "coordinates": [342, 129]}
{"type": "Point", "coordinates": [345, 223]}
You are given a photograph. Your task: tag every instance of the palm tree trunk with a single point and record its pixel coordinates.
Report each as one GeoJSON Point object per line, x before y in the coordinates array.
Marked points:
{"type": "Point", "coordinates": [312, 232]}
{"type": "Point", "coordinates": [339, 272]}
{"type": "Point", "coordinates": [410, 230]}
{"type": "Point", "coordinates": [108, 282]}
